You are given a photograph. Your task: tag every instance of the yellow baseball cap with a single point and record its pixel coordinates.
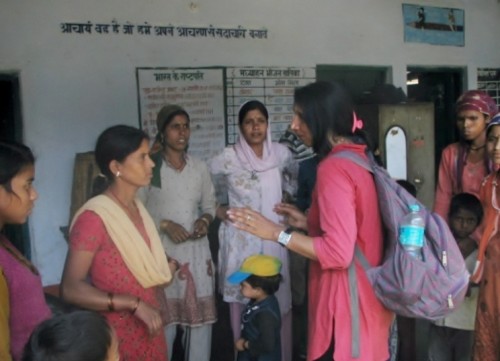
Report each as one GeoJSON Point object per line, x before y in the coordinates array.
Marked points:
{"type": "Point", "coordinates": [258, 265]}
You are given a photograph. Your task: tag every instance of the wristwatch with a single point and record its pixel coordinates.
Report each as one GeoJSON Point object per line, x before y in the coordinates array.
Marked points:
{"type": "Point", "coordinates": [285, 236]}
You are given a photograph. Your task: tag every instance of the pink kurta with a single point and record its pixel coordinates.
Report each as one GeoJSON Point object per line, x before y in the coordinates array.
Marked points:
{"type": "Point", "coordinates": [447, 186]}
{"type": "Point", "coordinates": [343, 213]}
{"type": "Point", "coordinates": [109, 273]}
{"type": "Point", "coordinates": [25, 298]}
{"type": "Point", "coordinates": [487, 334]}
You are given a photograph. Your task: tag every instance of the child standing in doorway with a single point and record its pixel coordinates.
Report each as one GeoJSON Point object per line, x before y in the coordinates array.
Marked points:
{"type": "Point", "coordinates": [259, 278]}
{"type": "Point", "coordinates": [451, 338]}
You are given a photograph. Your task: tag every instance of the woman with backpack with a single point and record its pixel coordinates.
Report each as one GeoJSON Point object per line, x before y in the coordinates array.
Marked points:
{"type": "Point", "coordinates": [343, 214]}
{"type": "Point", "coordinates": [464, 164]}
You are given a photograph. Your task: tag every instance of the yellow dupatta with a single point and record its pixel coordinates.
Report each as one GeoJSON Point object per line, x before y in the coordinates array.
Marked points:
{"type": "Point", "coordinates": [148, 265]}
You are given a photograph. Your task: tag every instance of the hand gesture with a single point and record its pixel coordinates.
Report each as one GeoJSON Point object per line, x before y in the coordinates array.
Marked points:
{"type": "Point", "coordinates": [200, 229]}
{"type": "Point", "coordinates": [174, 231]}
{"type": "Point", "coordinates": [255, 223]}
{"type": "Point", "coordinates": [150, 316]}
{"type": "Point", "coordinates": [294, 217]}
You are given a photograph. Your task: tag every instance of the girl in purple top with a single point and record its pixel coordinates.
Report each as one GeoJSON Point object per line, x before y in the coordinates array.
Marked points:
{"type": "Point", "coordinates": [23, 301]}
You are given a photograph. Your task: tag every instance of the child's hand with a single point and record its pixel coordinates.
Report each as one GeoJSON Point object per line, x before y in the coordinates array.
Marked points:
{"type": "Point", "coordinates": [240, 344]}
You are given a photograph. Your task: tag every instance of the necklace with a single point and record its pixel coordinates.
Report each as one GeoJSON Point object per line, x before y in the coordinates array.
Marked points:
{"type": "Point", "coordinates": [475, 149]}
{"type": "Point", "coordinates": [135, 218]}
{"type": "Point", "coordinates": [19, 257]}
{"type": "Point", "coordinates": [177, 168]}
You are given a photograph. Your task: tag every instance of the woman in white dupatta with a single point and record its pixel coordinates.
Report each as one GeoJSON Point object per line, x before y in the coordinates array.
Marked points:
{"type": "Point", "coordinates": [257, 171]}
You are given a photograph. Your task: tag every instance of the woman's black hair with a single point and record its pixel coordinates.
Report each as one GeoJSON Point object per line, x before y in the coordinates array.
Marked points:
{"type": "Point", "coordinates": [249, 106]}
{"type": "Point", "coordinates": [75, 336]}
{"type": "Point", "coordinates": [468, 202]}
{"type": "Point", "coordinates": [115, 143]}
{"type": "Point", "coordinates": [269, 284]}
{"type": "Point", "coordinates": [14, 157]}
{"type": "Point", "coordinates": [171, 116]}
{"type": "Point", "coordinates": [327, 109]}
{"type": "Point", "coordinates": [491, 126]}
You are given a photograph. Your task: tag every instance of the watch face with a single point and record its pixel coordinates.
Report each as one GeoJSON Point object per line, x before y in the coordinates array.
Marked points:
{"type": "Point", "coordinates": [284, 238]}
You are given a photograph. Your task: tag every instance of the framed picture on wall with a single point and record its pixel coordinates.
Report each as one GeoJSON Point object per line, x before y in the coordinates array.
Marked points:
{"type": "Point", "coordinates": [433, 25]}
{"type": "Point", "coordinates": [488, 80]}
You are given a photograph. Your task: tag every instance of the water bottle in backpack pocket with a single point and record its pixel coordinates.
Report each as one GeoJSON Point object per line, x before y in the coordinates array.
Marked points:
{"type": "Point", "coordinates": [411, 232]}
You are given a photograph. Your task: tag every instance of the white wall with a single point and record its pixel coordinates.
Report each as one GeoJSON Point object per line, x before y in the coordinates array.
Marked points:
{"type": "Point", "coordinates": [74, 86]}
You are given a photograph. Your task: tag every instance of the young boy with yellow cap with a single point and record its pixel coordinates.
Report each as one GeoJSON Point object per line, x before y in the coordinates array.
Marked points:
{"type": "Point", "coordinates": [259, 278]}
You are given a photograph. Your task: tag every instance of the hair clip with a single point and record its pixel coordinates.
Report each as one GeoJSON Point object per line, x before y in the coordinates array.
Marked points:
{"type": "Point", "coordinates": [356, 123]}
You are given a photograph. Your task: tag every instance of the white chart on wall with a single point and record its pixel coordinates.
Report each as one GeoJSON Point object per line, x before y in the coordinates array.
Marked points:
{"type": "Point", "coordinates": [273, 86]}
{"type": "Point", "coordinates": [198, 90]}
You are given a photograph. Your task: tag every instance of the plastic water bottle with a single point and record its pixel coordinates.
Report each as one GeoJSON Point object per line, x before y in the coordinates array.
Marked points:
{"type": "Point", "coordinates": [411, 232]}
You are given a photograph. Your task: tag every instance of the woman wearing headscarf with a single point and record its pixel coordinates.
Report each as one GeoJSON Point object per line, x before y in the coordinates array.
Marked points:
{"type": "Point", "coordinates": [181, 200]}
{"type": "Point", "coordinates": [464, 164]}
{"type": "Point", "coordinates": [256, 171]}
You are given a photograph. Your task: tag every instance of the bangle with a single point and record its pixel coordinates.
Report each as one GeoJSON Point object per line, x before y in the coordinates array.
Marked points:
{"type": "Point", "coordinates": [163, 225]}
{"type": "Point", "coordinates": [137, 302]}
{"type": "Point", "coordinates": [205, 220]}
{"type": "Point", "coordinates": [174, 261]}
{"type": "Point", "coordinates": [111, 305]}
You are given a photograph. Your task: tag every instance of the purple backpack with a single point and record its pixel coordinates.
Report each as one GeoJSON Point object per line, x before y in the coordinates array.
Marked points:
{"type": "Point", "coordinates": [428, 289]}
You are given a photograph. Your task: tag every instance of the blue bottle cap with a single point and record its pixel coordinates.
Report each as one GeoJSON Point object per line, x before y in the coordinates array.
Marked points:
{"type": "Point", "coordinates": [414, 207]}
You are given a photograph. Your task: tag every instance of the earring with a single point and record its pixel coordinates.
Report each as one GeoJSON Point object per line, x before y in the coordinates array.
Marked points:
{"type": "Point", "coordinates": [118, 174]}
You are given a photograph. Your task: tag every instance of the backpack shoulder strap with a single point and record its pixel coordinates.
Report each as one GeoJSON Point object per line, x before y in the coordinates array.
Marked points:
{"type": "Point", "coordinates": [351, 271]}
{"type": "Point", "coordinates": [362, 162]}
{"type": "Point", "coordinates": [354, 299]}
{"type": "Point", "coordinates": [354, 305]}
{"type": "Point", "coordinates": [346, 154]}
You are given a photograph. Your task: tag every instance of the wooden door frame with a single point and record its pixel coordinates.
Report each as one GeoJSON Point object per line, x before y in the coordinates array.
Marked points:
{"type": "Point", "coordinates": [10, 113]}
